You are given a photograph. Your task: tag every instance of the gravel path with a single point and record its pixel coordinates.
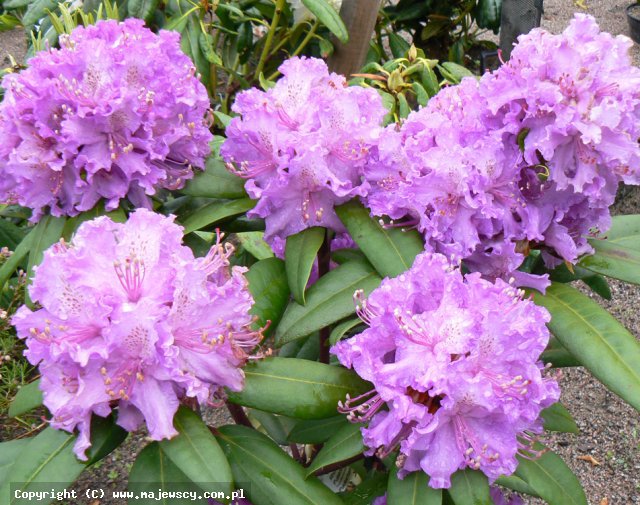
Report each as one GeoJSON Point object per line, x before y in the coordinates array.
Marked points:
{"type": "Point", "coordinates": [610, 430]}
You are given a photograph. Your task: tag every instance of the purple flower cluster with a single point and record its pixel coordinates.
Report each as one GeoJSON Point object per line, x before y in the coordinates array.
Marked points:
{"type": "Point", "coordinates": [116, 112]}
{"type": "Point", "coordinates": [302, 146]}
{"type": "Point", "coordinates": [574, 101]}
{"type": "Point", "coordinates": [130, 318]}
{"type": "Point", "coordinates": [455, 360]}
{"type": "Point", "coordinates": [528, 157]}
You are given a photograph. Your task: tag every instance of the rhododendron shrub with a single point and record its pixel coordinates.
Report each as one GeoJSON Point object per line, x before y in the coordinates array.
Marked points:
{"type": "Point", "coordinates": [380, 298]}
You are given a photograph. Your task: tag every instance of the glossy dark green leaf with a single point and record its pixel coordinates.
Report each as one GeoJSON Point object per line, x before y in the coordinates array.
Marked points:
{"type": "Point", "coordinates": [329, 17]}
{"type": "Point", "coordinates": [412, 490]}
{"type": "Point", "coordinates": [373, 486]}
{"type": "Point", "coordinates": [299, 255]}
{"type": "Point", "coordinates": [551, 479]}
{"type": "Point", "coordinates": [46, 462]}
{"type": "Point", "coordinates": [596, 339]}
{"type": "Point", "coordinates": [328, 300]}
{"type": "Point", "coordinates": [28, 398]}
{"type": "Point", "coordinates": [196, 452]}
{"type": "Point", "coordinates": [558, 418]}
{"type": "Point", "coordinates": [343, 328]}
{"type": "Point", "coordinates": [10, 234]}
{"type": "Point", "coordinates": [106, 436]}
{"type": "Point", "coordinates": [398, 45]}
{"type": "Point", "coordinates": [614, 260]}
{"type": "Point", "coordinates": [270, 291]}
{"type": "Point", "coordinates": [316, 431]}
{"type": "Point", "coordinates": [153, 471]}
{"type": "Point", "coordinates": [390, 250]}
{"type": "Point", "coordinates": [143, 9]}
{"type": "Point", "coordinates": [275, 478]}
{"type": "Point", "coordinates": [487, 14]}
{"type": "Point", "coordinates": [215, 182]}
{"type": "Point", "coordinates": [599, 285]}
{"type": "Point", "coordinates": [216, 211]}
{"type": "Point", "coordinates": [342, 445]}
{"type": "Point", "coordinates": [190, 44]}
{"type": "Point", "coordinates": [297, 388]}
{"type": "Point", "coordinates": [470, 487]}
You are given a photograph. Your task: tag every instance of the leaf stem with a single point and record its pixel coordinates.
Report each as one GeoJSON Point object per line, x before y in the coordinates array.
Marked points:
{"type": "Point", "coordinates": [238, 414]}
{"type": "Point", "coordinates": [267, 44]}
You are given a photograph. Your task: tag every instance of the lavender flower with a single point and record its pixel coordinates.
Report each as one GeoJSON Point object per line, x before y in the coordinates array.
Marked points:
{"type": "Point", "coordinates": [302, 146]}
{"type": "Point", "coordinates": [116, 112]}
{"type": "Point", "coordinates": [455, 360]}
{"type": "Point", "coordinates": [573, 102]}
{"type": "Point", "coordinates": [130, 318]}
{"type": "Point", "coordinates": [455, 169]}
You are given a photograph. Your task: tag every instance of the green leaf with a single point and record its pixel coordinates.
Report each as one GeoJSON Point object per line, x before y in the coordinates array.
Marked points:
{"type": "Point", "coordinates": [557, 355]}
{"type": "Point", "coordinates": [10, 234]}
{"type": "Point", "coordinates": [275, 478]}
{"type": "Point", "coordinates": [453, 72]}
{"type": "Point", "coordinates": [329, 17]}
{"type": "Point", "coordinates": [297, 388]}
{"type": "Point", "coordinates": [153, 470]}
{"type": "Point", "coordinates": [28, 398]}
{"type": "Point", "coordinates": [106, 436]}
{"type": "Point", "coordinates": [470, 487]}
{"type": "Point", "coordinates": [328, 300]}
{"type": "Point", "coordinates": [16, 4]}
{"type": "Point", "coordinates": [276, 427]}
{"type": "Point", "coordinates": [37, 10]}
{"type": "Point", "coordinates": [143, 9]}
{"type": "Point", "coordinates": [299, 255]}
{"type": "Point", "coordinates": [10, 452]}
{"type": "Point", "coordinates": [316, 431]}
{"type": "Point", "coordinates": [412, 490]}
{"type": "Point", "coordinates": [516, 484]}
{"type": "Point", "coordinates": [613, 260]}
{"type": "Point", "coordinates": [270, 291]}
{"type": "Point", "coordinates": [215, 182]}
{"type": "Point", "coordinates": [487, 14]}
{"type": "Point", "coordinates": [216, 211]}
{"type": "Point", "coordinates": [551, 479]}
{"type": "Point", "coordinates": [206, 42]}
{"type": "Point", "coordinates": [596, 339]}
{"type": "Point", "coordinates": [340, 330]}
{"type": "Point", "coordinates": [190, 44]}
{"type": "Point", "coordinates": [598, 285]}
{"type": "Point", "coordinates": [398, 45]}
{"type": "Point", "coordinates": [253, 242]}
{"type": "Point", "coordinates": [373, 486]}
{"type": "Point", "coordinates": [13, 262]}
{"type": "Point", "coordinates": [390, 250]}
{"type": "Point", "coordinates": [46, 462]}
{"type": "Point", "coordinates": [558, 418]}
{"type": "Point", "coordinates": [195, 451]}
{"type": "Point", "coordinates": [342, 445]}
{"type": "Point", "coordinates": [625, 231]}
{"type": "Point", "coordinates": [421, 93]}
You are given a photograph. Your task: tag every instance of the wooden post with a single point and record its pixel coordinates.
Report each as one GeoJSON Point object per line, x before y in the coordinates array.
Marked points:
{"type": "Point", "coordinates": [360, 18]}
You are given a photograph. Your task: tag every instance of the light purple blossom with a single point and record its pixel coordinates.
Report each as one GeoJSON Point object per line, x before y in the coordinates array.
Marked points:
{"type": "Point", "coordinates": [499, 499]}
{"type": "Point", "coordinates": [116, 112]}
{"type": "Point", "coordinates": [302, 146]}
{"type": "Point", "coordinates": [455, 169]}
{"type": "Point", "coordinates": [130, 318]}
{"type": "Point", "coordinates": [574, 100]}
{"type": "Point", "coordinates": [455, 360]}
